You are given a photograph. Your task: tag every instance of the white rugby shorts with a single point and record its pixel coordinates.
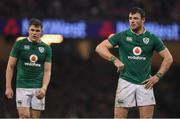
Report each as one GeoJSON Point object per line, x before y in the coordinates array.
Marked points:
{"type": "Point", "coordinates": [26, 97]}
{"type": "Point", "coordinates": [131, 95]}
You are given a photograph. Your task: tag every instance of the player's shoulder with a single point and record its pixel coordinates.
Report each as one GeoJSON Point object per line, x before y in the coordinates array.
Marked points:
{"type": "Point", "coordinates": [45, 45]}
{"type": "Point", "coordinates": [122, 33]}
{"type": "Point", "coordinates": [125, 33]}
{"type": "Point", "coordinates": [119, 34]}
{"type": "Point", "coordinates": [152, 35]}
{"type": "Point", "coordinates": [22, 41]}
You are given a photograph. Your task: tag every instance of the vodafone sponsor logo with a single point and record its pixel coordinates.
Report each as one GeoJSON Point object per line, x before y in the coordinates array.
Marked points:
{"type": "Point", "coordinates": [33, 59]}
{"type": "Point", "coordinates": [137, 51]}
{"type": "Point", "coordinates": [136, 58]}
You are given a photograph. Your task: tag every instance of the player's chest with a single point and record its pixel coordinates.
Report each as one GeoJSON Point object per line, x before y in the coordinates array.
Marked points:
{"type": "Point", "coordinates": [32, 53]}
{"type": "Point", "coordinates": [137, 44]}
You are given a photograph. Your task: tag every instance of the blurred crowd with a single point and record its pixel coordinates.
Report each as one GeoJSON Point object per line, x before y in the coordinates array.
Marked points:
{"type": "Point", "coordinates": [157, 10]}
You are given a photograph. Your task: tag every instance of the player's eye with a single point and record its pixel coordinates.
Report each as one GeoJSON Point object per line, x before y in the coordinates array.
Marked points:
{"type": "Point", "coordinates": [32, 30]}
{"type": "Point", "coordinates": [35, 30]}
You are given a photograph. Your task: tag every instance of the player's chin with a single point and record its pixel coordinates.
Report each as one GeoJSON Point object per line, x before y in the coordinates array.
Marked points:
{"type": "Point", "coordinates": [133, 28]}
{"type": "Point", "coordinates": [35, 39]}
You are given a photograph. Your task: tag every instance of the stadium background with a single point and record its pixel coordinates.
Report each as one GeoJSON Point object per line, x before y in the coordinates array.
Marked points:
{"type": "Point", "coordinates": [83, 84]}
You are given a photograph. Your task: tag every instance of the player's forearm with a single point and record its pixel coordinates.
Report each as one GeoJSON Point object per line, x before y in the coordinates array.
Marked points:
{"type": "Point", "coordinates": [46, 80]}
{"type": "Point", "coordinates": [10, 70]}
{"type": "Point", "coordinates": [9, 76]}
{"type": "Point", "coordinates": [104, 52]}
{"type": "Point", "coordinates": [166, 63]}
{"type": "Point", "coordinates": [47, 75]}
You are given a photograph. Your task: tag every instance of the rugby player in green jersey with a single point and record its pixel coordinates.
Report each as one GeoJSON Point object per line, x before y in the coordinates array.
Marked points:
{"type": "Point", "coordinates": [136, 47]}
{"type": "Point", "coordinates": [32, 59]}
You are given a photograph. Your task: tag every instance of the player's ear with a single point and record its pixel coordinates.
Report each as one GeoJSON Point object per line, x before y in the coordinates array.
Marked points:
{"type": "Point", "coordinates": [28, 29]}
{"type": "Point", "coordinates": [143, 19]}
{"type": "Point", "coordinates": [41, 33]}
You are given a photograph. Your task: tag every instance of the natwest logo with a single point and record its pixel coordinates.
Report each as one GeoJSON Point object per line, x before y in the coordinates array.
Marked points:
{"type": "Point", "coordinates": [33, 58]}
{"type": "Point", "coordinates": [137, 51]}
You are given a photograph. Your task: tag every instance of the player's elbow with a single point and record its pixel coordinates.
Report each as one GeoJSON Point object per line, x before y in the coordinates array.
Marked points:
{"type": "Point", "coordinates": [98, 48]}
{"type": "Point", "coordinates": [102, 47]}
{"type": "Point", "coordinates": [169, 59]}
{"type": "Point", "coordinates": [10, 66]}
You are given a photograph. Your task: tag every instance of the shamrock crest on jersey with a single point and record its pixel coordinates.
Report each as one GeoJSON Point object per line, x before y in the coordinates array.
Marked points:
{"type": "Point", "coordinates": [41, 49]}
{"type": "Point", "coordinates": [146, 40]}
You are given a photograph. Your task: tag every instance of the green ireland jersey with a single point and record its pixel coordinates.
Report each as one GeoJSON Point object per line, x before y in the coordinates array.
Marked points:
{"type": "Point", "coordinates": [30, 62]}
{"type": "Point", "coordinates": [136, 51]}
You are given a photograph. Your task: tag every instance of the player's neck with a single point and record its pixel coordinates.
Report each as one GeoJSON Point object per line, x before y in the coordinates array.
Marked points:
{"type": "Point", "coordinates": [139, 31]}
{"type": "Point", "coordinates": [34, 41]}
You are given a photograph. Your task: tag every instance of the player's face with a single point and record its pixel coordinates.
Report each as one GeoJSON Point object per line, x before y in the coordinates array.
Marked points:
{"type": "Point", "coordinates": [135, 21]}
{"type": "Point", "coordinates": [35, 32]}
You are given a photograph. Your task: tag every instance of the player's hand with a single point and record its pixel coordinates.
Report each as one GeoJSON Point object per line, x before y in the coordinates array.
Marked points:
{"type": "Point", "coordinates": [9, 93]}
{"type": "Point", "coordinates": [119, 65]}
{"type": "Point", "coordinates": [40, 93]}
{"type": "Point", "coordinates": [149, 83]}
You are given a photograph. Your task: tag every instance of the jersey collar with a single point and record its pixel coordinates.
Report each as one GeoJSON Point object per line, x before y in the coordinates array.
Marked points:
{"type": "Point", "coordinates": [136, 33]}
{"type": "Point", "coordinates": [32, 41]}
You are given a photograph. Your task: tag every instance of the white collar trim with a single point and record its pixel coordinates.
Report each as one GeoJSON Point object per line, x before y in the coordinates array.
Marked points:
{"type": "Point", "coordinates": [138, 34]}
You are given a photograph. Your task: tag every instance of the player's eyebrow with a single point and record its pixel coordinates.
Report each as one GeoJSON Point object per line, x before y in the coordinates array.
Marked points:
{"type": "Point", "coordinates": [35, 30]}
{"type": "Point", "coordinates": [133, 17]}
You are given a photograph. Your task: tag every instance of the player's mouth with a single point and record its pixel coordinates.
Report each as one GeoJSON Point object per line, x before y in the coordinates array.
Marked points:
{"type": "Point", "coordinates": [34, 37]}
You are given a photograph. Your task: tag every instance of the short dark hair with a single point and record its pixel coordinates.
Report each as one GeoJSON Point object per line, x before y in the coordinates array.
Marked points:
{"type": "Point", "coordinates": [135, 10]}
{"type": "Point", "coordinates": [35, 22]}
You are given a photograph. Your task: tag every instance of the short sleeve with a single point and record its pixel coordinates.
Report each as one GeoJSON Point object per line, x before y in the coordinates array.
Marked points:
{"type": "Point", "coordinates": [15, 51]}
{"type": "Point", "coordinates": [159, 45]}
{"type": "Point", "coordinates": [48, 54]}
{"type": "Point", "coordinates": [115, 40]}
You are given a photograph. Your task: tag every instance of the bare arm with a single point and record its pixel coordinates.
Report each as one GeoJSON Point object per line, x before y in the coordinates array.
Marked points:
{"type": "Point", "coordinates": [47, 75]}
{"type": "Point", "coordinates": [103, 50]}
{"type": "Point", "coordinates": [167, 61]}
{"type": "Point", "coordinates": [165, 65]}
{"type": "Point", "coordinates": [9, 75]}
{"type": "Point", "coordinates": [46, 79]}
